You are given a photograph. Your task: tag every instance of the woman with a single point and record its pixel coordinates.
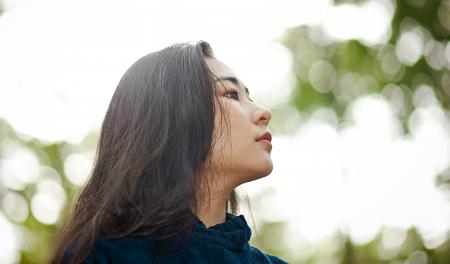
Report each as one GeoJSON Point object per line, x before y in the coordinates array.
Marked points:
{"type": "Point", "coordinates": [180, 133]}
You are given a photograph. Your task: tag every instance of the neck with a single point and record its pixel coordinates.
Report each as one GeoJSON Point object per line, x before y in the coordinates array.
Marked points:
{"type": "Point", "coordinates": [212, 211]}
{"type": "Point", "coordinates": [211, 207]}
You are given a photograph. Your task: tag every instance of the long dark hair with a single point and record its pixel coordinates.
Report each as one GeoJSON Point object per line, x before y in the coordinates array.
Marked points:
{"type": "Point", "coordinates": [155, 138]}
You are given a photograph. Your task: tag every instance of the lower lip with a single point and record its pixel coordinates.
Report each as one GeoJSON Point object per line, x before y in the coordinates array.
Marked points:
{"type": "Point", "coordinates": [265, 141]}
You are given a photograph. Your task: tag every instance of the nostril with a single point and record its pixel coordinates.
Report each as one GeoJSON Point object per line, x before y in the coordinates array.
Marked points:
{"type": "Point", "coordinates": [267, 115]}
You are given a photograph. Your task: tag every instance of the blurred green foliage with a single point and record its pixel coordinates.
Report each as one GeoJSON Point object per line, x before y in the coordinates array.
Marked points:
{"type": "Point", "coordinates": [335, 73]}
{"type": "Point", "coordinates": [412, 250]}
{"type": "Point", "coordinates": [361, 69]}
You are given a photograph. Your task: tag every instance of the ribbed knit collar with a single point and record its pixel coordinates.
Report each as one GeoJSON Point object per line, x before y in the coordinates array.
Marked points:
{"type": "Point", "coordinates": [233, 234]}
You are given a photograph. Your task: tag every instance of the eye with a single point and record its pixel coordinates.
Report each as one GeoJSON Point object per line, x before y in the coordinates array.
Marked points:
{"type": "Point", "coordinates": [232, 95]}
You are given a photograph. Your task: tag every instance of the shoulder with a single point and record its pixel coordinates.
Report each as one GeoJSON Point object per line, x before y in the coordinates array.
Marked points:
{"type": "Point", "coordinates": [126, 250]}
{"type": "Point", "coordinates": [262, 257]}
{"type": "Point", "coordinates": [276, 260]}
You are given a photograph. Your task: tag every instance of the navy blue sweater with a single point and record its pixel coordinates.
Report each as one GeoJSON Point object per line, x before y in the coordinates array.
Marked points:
{"type": "Point", "coordinates": [222, 243]}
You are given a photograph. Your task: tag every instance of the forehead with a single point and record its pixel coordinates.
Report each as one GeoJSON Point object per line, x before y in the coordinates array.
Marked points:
{"type": "Point", "coordinates": [219, 68]}
{"type": "Point", "coordinates": [224, 73]}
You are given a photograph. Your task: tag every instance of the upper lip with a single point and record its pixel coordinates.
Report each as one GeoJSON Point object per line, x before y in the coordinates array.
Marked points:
{"type": "Point", "coordinates": [266, 136]}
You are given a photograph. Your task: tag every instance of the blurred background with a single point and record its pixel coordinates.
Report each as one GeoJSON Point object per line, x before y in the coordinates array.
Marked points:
{"type": "Point", "coordinates": [360, 95]}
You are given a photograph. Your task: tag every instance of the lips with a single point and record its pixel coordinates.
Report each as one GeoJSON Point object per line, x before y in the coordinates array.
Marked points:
{"type": "Point", "coordinates": [266, 136]}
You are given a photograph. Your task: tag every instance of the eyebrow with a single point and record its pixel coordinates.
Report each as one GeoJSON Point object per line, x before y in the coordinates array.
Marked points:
{"type": "Point", "coordinates": [233, 80]}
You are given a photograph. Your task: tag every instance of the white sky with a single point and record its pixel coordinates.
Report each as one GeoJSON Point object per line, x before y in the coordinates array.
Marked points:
{"type": "Point", "coordinates": [60, 62]}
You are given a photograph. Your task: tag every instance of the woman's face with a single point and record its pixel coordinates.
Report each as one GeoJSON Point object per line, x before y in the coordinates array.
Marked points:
{"type": "Point", "coordinates": [239, 155]}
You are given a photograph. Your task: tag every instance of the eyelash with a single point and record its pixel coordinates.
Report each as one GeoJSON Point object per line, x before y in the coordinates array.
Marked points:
{"type": "Point", "coordinates": [237, 95]}
{"type": "Point", "coordinates": [232, 92]}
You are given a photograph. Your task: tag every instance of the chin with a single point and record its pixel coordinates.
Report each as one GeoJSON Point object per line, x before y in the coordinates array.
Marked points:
{"type": "Point", "coordinates": [268, 170]}
{"type": "Point", "coordinates": [260, 170]}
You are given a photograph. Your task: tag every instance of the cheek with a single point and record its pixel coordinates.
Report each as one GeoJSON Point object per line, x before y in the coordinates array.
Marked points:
{"type": "Point", "coordinates": [235, 150]}
{"type": "Point", "coordinates": [240, 133]}
{"type": "Point", "coordinates": [241, 138]}
{"type": "Point", "coordinates": [248, 158]}
{"type": "Point", "coordinates": [232, 128]}
{"type": "Point", "coordinates": [229, 138]}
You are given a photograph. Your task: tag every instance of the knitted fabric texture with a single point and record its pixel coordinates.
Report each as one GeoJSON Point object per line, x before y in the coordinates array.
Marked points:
{"type": "Point", "coordinates": [227, 242]}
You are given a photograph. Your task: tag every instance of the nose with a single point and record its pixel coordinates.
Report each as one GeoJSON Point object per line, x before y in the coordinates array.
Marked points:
{"type": "Point", "coordinates": [262, 115]}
